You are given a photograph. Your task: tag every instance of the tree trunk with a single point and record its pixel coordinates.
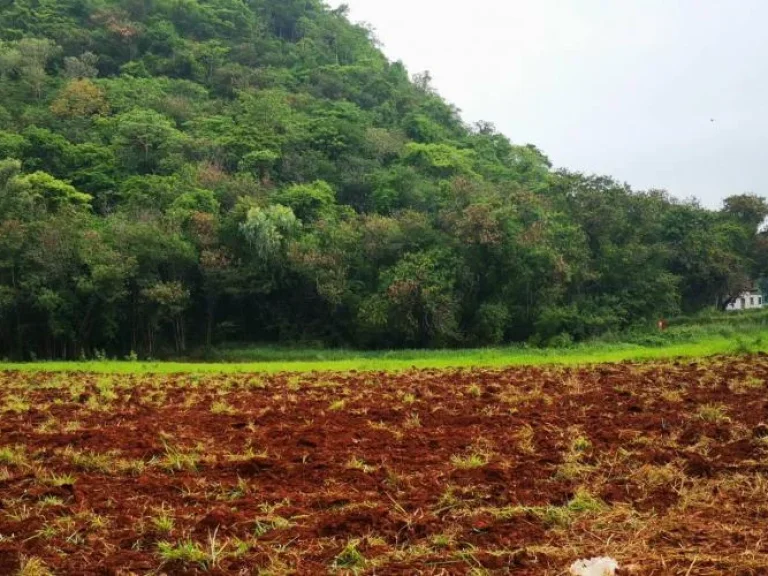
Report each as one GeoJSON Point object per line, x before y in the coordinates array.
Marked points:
{"type": "Point", "coordinates": [209, 322]}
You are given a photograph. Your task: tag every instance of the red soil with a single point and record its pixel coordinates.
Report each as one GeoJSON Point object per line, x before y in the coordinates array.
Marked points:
{"type": "Point", "coordinates": [296, 477]}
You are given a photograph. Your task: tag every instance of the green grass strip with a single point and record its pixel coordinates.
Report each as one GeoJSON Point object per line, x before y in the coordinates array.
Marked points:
{"type": "Point", "coordinates": [341, 360]}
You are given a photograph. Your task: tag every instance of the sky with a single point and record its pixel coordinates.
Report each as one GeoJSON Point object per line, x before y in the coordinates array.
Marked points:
{"type": "Point", "coordinates": [667, 94]}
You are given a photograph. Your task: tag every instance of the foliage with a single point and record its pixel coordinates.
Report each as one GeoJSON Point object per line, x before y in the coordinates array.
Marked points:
{"type": "Point", "coordinates": [176, 176]}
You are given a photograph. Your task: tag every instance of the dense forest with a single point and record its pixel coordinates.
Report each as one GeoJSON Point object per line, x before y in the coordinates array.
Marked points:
{"type": "Point", "coordinates": [175, 174]}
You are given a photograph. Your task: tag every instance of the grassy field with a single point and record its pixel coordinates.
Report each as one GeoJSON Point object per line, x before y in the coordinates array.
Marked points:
{"type": "Point", "coordinates": [683, 342]}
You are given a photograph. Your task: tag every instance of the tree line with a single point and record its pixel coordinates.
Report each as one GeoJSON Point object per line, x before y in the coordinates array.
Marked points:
{"type": "Point", "coordinates": [175, 174]}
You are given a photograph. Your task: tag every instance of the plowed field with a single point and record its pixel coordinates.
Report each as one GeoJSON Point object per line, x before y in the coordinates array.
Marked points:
{"type": "Point", "coordinates": [522, 471]}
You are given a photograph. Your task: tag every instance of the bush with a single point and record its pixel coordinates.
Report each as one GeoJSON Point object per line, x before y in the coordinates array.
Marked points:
{"type": "Point", "coordinates": [578, 322]}
{"type": "Point", "coordinates": [563, 340]}
{"type": "Point", "coordinates": [490, 324]}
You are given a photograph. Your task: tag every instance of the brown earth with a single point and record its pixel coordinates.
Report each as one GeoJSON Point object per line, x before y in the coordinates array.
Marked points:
{"type": "Point", "coordinates": [521, 471]}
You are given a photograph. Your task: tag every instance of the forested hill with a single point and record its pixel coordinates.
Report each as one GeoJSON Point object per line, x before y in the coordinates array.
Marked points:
{"type": "Point", "coordinates": [178, 173]}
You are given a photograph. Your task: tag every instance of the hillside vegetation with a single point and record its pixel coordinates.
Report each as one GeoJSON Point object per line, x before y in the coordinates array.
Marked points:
{"type": "Point", "coordinates": [182, 173]}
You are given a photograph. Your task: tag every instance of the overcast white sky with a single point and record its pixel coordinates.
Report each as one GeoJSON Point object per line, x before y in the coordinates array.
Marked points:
{"type": "Point", "coordinates": [619, 87]}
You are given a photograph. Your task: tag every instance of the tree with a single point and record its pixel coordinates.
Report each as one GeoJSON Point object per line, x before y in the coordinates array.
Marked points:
{"type": "Point", "coordinates": [415, 304]}
{"type": "Point", "coordinates": [749, 210]}
{"type": "Point", "coordinates": [13, 145]}
{"type": "Point", "coordinates": [80, 98]}
{"type": "Point", "coordinates": [80, 67]}
{"type": "Point", "coordinates": [27, 195]}
{"type": "Point", "coordinates": [102, 288]}
{"type": "Point", "coordinates": [27, 60]}
{"type": "Point", "coordinates": [308, 201]}
{"type": "Point", "coordinates": [13, 239]}
{"type": "Point", "coordinates": [268, 230]}
{"type": "Point", "coordinates": [169, 300]}
{"type": "Point", "coordinates": [260, 163]}
{"type": "Point", "coordinates": [440, 160]}
{"type": "Point", "coordinates": [144, 138]}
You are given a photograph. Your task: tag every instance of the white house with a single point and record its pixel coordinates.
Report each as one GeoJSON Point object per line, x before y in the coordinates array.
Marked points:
{"type": "Point", "coordinates": [746, 301]}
